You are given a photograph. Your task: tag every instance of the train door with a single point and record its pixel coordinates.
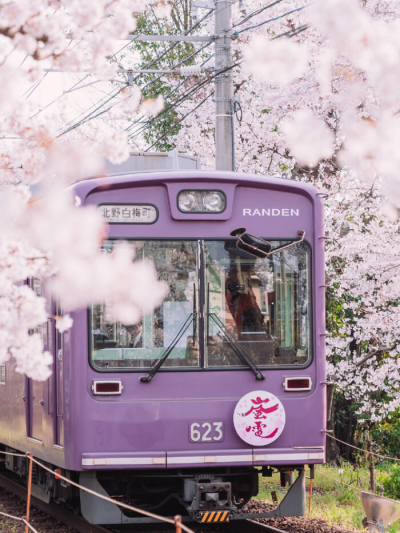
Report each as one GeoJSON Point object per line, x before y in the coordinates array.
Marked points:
{"type": "Point", "coordinates": [35, 409]}
{"type": "Point", "coordinates": [35, 389]}
{"type": "Point", "coordinates": [59, 386]}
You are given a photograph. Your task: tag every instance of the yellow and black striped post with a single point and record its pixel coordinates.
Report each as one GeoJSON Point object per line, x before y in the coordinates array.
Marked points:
{"type": "Point", "coordinates": [213, 516]}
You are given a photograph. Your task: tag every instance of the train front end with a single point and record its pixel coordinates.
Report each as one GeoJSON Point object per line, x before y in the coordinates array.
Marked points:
{"type": "Point", "coordinates": [225, 380]}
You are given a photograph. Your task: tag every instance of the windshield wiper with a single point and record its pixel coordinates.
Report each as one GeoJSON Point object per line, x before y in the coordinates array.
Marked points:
{"type": "Point", "coordinates": [239, 351]}
{"type": "Point", "coordinates": [154, 369]}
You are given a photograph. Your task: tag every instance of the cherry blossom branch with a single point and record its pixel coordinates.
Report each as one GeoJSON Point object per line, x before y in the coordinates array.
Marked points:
{"type": "Point", "coordinates": [372, 354]}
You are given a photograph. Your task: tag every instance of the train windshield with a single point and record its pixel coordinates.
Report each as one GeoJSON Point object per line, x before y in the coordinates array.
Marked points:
{"type": "Point", "coordinates": [261, 306]}
{"type": "Point", "coordinates": [175, 322]}
{"type": "Point", "coordinates": [257, 306]}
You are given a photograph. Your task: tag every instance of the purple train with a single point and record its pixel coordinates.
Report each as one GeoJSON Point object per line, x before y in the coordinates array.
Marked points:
{"type": "Point", "coordinates": [222, 383]}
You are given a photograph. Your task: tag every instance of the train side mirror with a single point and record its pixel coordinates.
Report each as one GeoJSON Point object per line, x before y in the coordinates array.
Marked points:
{"type": "Point", "coordinates": [259, 247]}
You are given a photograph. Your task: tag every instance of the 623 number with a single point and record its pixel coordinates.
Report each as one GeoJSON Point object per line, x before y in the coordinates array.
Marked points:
{"type": "Point", "coordinates": [205, 431]}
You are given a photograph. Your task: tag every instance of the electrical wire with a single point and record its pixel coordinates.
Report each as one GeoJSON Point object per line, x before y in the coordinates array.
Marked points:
{"type": "Point", "coordinates": [271, 20]}
{"type": "Point", "coordinates": [181, 98]}
{"type": "Point", "coordinates": [34, 87]}
{"type": "Point", "coordinates": [146, 122]}
{"type": "Point", "coordinates": [91, 116]}
{"type": "Point", "coordinates": [152, 62]}
{"type": "Point", "coordinates": [17, 69]}
{"type": "Point", "coordinates": [85, 119]}
{"type": "Point", "coordinates": [179, 121]}
{"type": "Point", "coordinates": [292, 33]}
{"type": "Point", "coordinates": [150, 122]}
{"type": "Point", "coordinates": [72, 88]}
{"type": "Point", "coordinates": [111, 92]}
{"type": "Point", "coordinates": [192, 90]}
{"type": "Point", "coordinates": [174, 66]}
{"type": "Point", "coordinates": [60, 96]}
{"type": "Point", "coordinates": [255, 12]}
{"type": "Point", "coordinates": [188, 92]}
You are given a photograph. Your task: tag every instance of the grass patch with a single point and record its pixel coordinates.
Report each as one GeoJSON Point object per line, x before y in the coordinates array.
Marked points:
{"type": "Point", "coordinates": [337, 504]}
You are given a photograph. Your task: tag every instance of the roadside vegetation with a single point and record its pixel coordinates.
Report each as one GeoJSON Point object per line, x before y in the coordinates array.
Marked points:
{"type": "Point", "coordinates": [337, 504]}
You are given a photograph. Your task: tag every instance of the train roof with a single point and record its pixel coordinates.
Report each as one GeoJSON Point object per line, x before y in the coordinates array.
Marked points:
{"type": "Point", "coordinates": [124, 180]}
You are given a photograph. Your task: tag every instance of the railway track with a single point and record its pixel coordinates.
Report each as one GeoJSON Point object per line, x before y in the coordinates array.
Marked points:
{"type": "Point", "coordinates": [56, 519]}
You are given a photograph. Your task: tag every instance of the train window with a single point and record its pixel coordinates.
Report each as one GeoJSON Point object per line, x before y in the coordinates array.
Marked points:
{"type": "Point", "coordinates": [261, 306]}
{"type": "Point", "coordinates": [118, 346]}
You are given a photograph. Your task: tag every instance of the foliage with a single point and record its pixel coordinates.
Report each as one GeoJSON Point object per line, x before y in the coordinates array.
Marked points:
{"type": "Point", "coordinates": [392, 483]}
{"type": "Point", "coordinates": [386, 435]}
{"type": "Point", "coordinates": [331, 501]}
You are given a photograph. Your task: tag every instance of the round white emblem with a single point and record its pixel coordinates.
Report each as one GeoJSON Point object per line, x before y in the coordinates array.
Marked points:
{"type": "Point", "coordinates": [259, 418]}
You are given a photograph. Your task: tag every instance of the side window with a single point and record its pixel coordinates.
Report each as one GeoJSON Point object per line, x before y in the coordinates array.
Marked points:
{"type": "Point", "coordinates": [41, 329]}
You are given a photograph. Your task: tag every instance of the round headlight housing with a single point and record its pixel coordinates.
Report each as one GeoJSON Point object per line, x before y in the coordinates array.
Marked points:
{"type": "Point", "coordinates": [187, 202]}
{"type": "Point", "coordinates": [214, 201]}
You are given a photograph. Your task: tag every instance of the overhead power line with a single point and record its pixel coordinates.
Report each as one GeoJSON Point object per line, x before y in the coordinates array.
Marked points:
{"type": "Point", "coordinates": [145, 123]}
{"type": "Point", "coordinates": [149, 122]}
{"type": "Point", "coordinates": [150, 64]}
{"type": "Point", "coordinates": [101, 111]}
{"type": "Point", "coordinates": [195, 89]}
{"type": "Point", "coordinates": [179, 121]}
{"type": "Point", "coordinates": [271, 20]}
{"type": "Point", "coordinates": [187, 58]}
{"type": "Point", "coordinates": [255, 12]}
{"type": "Point", "coordinates": [292, 33]}
{"type": "Point", "coordinates": [191, 91]}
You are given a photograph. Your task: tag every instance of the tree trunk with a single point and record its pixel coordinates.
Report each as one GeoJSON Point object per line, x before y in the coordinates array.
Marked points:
{"type": "Point", "coordinates": [371, 466]}
{"type": "Point", "coordinates": [345, 426]}
{"type": "Point", "coordinates": [332, 449]}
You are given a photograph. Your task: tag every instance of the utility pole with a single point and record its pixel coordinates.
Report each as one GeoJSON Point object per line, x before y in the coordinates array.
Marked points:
{"type": "Point", "coordinates": [224, 133]}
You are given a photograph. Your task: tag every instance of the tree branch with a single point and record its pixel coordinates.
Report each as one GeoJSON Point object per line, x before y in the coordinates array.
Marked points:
{"type": "Point", "coordinates": [375, 352]}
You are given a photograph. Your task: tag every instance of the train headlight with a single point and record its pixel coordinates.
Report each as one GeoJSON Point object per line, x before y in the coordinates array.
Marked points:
{"type": "Point", "coordinates": [201, 201]}
{"type": "Point", "coordinates": [214, 201]}
{"type": "Point", "coordinates": [187, 201]}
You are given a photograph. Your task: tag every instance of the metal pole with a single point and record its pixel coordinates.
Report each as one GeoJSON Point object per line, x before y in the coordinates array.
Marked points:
{"type": "Point", "coordinates": [223, 86]}
{"type": "Point", "coordinates": [28, 498]}
{"type": "Point", "coordinates": [178, 523]}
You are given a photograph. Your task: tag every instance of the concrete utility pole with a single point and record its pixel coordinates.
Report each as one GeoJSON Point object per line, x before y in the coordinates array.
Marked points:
{"type": "Point", "coordinates": [224, 140]}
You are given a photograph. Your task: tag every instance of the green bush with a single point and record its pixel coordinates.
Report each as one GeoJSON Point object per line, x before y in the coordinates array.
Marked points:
{"type": "Point", "coordinates": [392, 483]}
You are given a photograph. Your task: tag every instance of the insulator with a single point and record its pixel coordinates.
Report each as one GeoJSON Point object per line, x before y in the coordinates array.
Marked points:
{"type": "Point", "coordinates": [192, 70]}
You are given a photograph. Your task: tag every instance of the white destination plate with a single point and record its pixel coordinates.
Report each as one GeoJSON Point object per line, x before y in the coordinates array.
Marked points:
{"type": "Point", "coordinates": [128, 213]}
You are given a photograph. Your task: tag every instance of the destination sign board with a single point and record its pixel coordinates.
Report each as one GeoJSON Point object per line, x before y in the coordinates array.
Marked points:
{"type": "Point", "coordinates": [128, 213]}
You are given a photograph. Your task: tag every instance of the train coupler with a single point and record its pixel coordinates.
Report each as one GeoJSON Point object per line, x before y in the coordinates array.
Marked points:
{"type": "Point", "coordinates": [212, 502]}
